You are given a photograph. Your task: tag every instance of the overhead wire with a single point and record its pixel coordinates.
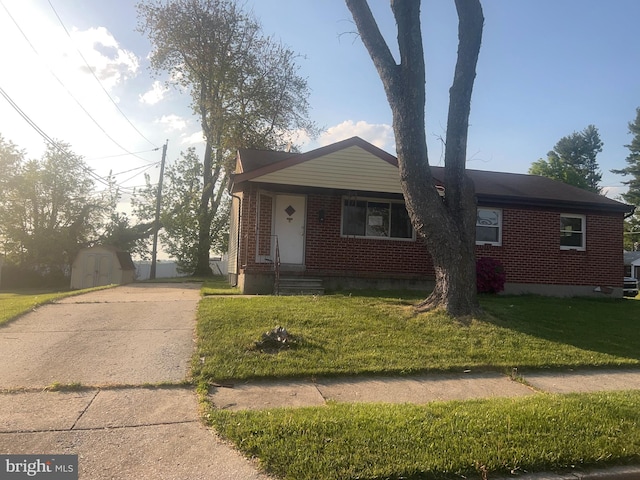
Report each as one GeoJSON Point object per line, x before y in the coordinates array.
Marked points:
{"type": "Point", "coordinates": [96, 77]}
{"type": "Point", "coordinates": [63, 85]}
{"type": "Point", "coordinates": [127, 154]}
{"type": "Point", "coordinates": [146, 167]}
{"type": "Point", "coordinates": [134, 176]}
{"type": "Point", "coordinates": [52, 142]}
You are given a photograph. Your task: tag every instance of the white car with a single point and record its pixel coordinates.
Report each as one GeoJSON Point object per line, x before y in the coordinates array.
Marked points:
{"type": "Point", "coordinates": [630, 287]}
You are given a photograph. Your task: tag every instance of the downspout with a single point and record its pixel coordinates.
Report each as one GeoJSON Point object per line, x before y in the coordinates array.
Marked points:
{"type": "Point", "coordinates": [238, 239]}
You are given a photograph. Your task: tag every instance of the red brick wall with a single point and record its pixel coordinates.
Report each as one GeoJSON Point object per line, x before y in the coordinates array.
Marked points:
{"type": "Point", "coordinates": [255, 232]}
{"type": "Point", "coordinates": [264, 225]}
{"type": "Point", "coordinates": [327, 251]}
{"type": "Point", "coordinates": [530, 249]}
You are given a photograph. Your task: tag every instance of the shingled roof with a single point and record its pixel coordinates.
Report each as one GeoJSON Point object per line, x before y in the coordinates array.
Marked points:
{"type": "Point", "coordinates": [491, 187]}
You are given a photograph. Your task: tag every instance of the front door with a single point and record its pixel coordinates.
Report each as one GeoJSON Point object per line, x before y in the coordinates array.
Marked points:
{"type": "Point", "coordinates": [289, 227]}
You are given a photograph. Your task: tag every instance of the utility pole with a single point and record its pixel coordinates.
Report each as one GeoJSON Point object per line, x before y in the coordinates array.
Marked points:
{"type": "Point", "coordinates": [156, 225]}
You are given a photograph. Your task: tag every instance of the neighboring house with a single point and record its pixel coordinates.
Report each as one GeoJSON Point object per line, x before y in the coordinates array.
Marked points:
{"type": "Point", "coordinates": [337, 213]}
{"type": "Point", "coordinates": [632, 264]}
{"type": "Point", "coordinates": [101, 265]}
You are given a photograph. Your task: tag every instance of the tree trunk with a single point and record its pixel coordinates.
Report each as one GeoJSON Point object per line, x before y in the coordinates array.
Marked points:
{"type": "Point", "coordinates": [447, 224]}
{"type": "Point", "coordinates": [204, 215]}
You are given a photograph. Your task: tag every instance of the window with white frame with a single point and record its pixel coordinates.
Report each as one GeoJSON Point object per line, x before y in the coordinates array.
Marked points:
{"type": "Point", "coordinates": [488, 226]}
{"type": "Point", "coordinates": [572, 232]}
{"type": "Point", "coordinates": [376, 218]}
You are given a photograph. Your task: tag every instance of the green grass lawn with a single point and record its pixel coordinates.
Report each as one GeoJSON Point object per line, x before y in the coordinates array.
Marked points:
{"type": "Point", "coordinates": [441, 439]}
{"type": "Point", "coordinates": [379, 334]}
{"type": "Point", "coordinates": [219, 286]}
{"type": "Point", "coordinates": [339, 334]}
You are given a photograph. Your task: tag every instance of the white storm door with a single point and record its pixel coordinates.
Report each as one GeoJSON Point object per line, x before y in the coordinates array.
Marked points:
{"type": "Point", "coordinates": [289, 226]}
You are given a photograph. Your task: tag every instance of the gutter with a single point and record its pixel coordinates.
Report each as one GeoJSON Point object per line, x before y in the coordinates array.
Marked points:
{"type": "Point", "coordinates": [555, 204]}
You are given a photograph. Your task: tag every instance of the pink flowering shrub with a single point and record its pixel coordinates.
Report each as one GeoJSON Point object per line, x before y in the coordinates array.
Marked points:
{"type": "Point", "coordinates": [490, 275]}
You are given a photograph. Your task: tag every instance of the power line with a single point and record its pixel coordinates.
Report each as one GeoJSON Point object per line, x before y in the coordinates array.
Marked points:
{"type": "Point", "coordinates": [63, 85]}
{"type": "Point", "coordinates": [95, 76]}
{"type": "Point", "coordinates": [134, 176]}
{"type": "Point", "coordinates": [146, 167]}
{"type": "Point", "coordinates": [127, 154]}
{"type": "Point", "coordinates": [47, 138]}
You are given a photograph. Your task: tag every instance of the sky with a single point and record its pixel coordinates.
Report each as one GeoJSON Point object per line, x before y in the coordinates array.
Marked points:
{"type": "Point", "coordinates": [79, 70]}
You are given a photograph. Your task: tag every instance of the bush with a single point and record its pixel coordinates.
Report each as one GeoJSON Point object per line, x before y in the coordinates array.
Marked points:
{"type": "Point", "coordinates": [490, 275]}
{"type": "Point", "coordinates": [16, 276]}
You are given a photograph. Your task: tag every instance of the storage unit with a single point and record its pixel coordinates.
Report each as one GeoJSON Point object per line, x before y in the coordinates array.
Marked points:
{"type": "Point", "coordinates": [101, 265]}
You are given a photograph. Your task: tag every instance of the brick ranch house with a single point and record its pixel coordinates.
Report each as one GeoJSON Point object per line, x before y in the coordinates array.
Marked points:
{"type": "Point", "coordinates": [337, 214]}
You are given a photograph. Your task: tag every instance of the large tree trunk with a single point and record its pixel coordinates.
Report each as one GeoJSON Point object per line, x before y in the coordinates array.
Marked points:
{"type": "Point", "coordinates": [447, 224]}
{"type": "Point", "coordinates": [204, 215]}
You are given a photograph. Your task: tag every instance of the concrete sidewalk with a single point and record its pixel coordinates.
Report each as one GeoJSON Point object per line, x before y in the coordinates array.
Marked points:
{"type": "Point", "coordinates": [131, 433]}
{"type": "Point", "coordinates": [420, 389]}
{"type": "Point", "coordinates": [256, 395]}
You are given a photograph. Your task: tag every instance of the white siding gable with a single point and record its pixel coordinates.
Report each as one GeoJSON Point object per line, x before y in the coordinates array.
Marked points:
{"type": "Point", "coordinates": [352, 168]}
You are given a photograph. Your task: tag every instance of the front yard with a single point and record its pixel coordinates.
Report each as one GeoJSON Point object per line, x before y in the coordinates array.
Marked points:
{"type": "Point", "coordinates": [379, 335]}
{"type": "Point", "coordinates": [342, 334]}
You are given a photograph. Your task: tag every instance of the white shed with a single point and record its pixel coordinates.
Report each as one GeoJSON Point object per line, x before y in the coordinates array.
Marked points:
{"type": "Point", "coordinates": [101, 265]}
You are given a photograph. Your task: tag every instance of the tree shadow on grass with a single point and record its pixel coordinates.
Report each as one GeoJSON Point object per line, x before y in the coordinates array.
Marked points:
{"type": "Point", "coordinates": [608, 326]}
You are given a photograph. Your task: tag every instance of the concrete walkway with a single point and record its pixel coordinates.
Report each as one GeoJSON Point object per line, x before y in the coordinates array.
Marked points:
{"type": "Point", "coordinates": [256, 395]}
{"type": "Point", "coordinates": [117, 341]}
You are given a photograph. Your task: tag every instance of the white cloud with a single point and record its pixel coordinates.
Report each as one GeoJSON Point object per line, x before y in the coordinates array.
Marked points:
{"type": "Point", "coordinates": [172, 122]}
{"type": "Point", "coordinates": [111, 64]}
{"type": "Point", "coordinates": [193, 139]}
{"type": "Point", "coordinates": [380, 135]}
{"type": "Point", "coordinates": [614, 192]}
{"type": "Point", "coordinates": [155, 94]}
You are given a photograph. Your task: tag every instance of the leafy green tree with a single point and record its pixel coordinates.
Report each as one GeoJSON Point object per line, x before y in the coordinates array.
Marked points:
{"type": "Point", "coordinates": [244, 87]}
{"type": "Point", "coordinates": [447, 225]}
{"type": "Point", "coordinates": [48, 209]}
{"type": "Point", "coordinates": [178, 217]}
{"type": "Point", "coordinates": [11, 160]}
{"type": "Point", "coordinates": [118, 229]}
{"type": "Point", "coordinates": [573, 160]}
{"type": "Point", "coordinates": [632, 196]}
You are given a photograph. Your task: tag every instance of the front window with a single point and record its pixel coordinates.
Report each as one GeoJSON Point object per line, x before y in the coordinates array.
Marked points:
{"type": "Point", "coordinates": [488, 226]}
{"type": "Point", "coordinates": [572, 232]}
{"type": "Point", "coordinates": [376, 219]}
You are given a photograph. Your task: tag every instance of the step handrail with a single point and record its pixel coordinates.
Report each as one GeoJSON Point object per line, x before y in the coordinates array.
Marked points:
{"type": "Point", "coordinates": [276, 267]}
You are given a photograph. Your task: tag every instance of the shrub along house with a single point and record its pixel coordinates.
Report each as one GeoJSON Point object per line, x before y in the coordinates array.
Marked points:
{"type": "Point", "coordinates": [336, 214]}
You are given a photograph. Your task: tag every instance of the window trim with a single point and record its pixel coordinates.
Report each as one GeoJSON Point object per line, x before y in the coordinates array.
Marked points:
{"type": "Point", "coordinates": [583, 232]}
{"type": "Point", "coordinates": [499, 226]}
{"type": "Point", "coordinates": [372, 237]}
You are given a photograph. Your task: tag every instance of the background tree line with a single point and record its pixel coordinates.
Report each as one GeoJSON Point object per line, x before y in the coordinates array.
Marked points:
{"type": "Point", "coordinates": [49, 210]}
{"type": "Point", "coordinates": [573, 161]}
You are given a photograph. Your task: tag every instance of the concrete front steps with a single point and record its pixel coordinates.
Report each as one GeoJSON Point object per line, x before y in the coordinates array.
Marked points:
{"type": "Point", "coordinates": [300, 286]}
